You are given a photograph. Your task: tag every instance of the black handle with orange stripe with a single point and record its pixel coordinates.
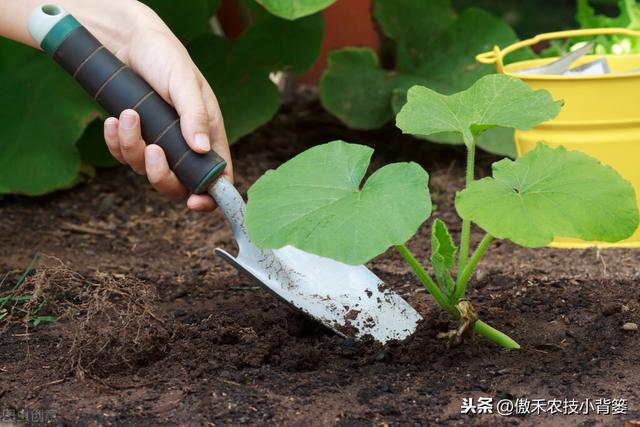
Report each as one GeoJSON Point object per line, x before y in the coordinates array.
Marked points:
{"type": "Point", "coordinates": [117, 88]}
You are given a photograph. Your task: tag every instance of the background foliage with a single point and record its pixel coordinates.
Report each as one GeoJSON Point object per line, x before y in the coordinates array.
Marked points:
{"type": "Point", "coordinates": [433, 46]}
{"type": "Point", "coordinates": [52, 133]}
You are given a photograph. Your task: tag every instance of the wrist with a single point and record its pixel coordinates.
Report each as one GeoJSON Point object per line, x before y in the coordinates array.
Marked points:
{"type": "Point", "coordinates": [119, 21]}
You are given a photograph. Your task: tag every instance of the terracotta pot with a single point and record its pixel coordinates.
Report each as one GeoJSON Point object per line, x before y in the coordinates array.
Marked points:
{"type": "Point", "coordinates": [230, 18]}
{"type": "Point", "coordinates": [347, 23]}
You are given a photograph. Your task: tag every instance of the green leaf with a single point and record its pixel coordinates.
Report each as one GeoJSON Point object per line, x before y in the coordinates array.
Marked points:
{"type": "Point", "coordinates": [274, 44]}
{"type": "Point", "coordinates": [92, 148]}
{"type": "Point", "coordinates": [247, 98]}
{"type": "Point", "coordinates": [500, 141]}
{"type": "Point", "coordinates": [414, 26]}
{"type": "Point", "coordinates": [495, 100]}
{"type": "Point", "coordinates": [187, 19]}
{"type": "Point", "coordinates": [548, 193]}
{"type": "Point", "coordinates": [44, 319]}
{"type": "Point", "coordinates": [629, 15]}
{"type": "Point", "coordinates": [238, 71]}
{"type": "Point", "coordinates": [434, 48]}
{"type": "Point", "coordinates": [213, 6]}
{"type": "Point", "coordinates": [316, 203]}
{"type": "Point", "coordinates": [43, 113]}
{"type": "Point", "coordinates": [342, 88]}
{"type": "Point", "coordinates": [442, 245]}
{"type": "Point", "coordinates": [443, 255]}
{"type": "Point", "coordinates": [294, 9]}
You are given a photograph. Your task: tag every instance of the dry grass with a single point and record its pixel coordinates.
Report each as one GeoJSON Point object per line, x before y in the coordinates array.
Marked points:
{"type": "Point", "coordinates": [108, 322]}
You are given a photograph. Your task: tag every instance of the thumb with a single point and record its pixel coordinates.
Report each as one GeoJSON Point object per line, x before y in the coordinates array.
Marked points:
{"type": "Point", "coordinates": [186, 95]}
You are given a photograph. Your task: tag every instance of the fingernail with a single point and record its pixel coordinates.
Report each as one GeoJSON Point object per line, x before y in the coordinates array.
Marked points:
{"type": "Point", "coordinates": [128, 120]}
{"type": "Point", "coordinates": [153, 158]}
{"type": "Point", "coordinates": [110, 126]}
{"type": "Point", "coordinates": [202, 141]}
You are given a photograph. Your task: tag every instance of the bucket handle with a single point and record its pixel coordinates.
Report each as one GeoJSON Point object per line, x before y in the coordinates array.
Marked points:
{"type": "Point", "coordinates": [497, 55]}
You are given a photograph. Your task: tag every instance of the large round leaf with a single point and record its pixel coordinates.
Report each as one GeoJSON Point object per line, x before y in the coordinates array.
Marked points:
{"type": "Point", "coordinates": [43, 112]}
{"type": "Point", "coordinates": [358, 91]}
{"type": "Point", "coordinates": [92, 148]}
{"type": "Point", "coordinates": [294, 9]}
{"type": "Point", "coordinates": [239, 70]}
{"type": "Point", "coordinates": [317, 203]}
{"type": "Point", "coordinates": [187, 19]}
{"type": "Point", "coordinates": [493, 101]}
{"type": "Point", "coordinates": [548, 193]}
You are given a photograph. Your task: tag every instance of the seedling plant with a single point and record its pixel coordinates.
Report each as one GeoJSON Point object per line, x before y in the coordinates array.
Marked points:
{"type": "Point", "coordinates": [16, 304]}
{"type": "Point", "coordinates": [315, 201]}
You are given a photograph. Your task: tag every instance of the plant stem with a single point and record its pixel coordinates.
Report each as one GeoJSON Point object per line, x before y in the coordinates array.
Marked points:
{"type": "Point", "coordinates": [463, 278]}
{"type": "Point", "coordinates": [426, 280]}
{"type": "Point", "coordinates": [466, 224]}
{"type": "Point", "coordinates": [495, 335]}
{"type": "Point", "coordinates": [479, 326]}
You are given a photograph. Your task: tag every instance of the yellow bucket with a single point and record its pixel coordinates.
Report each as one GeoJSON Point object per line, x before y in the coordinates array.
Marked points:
{"type": "Point", "coordinates": [600, 117]}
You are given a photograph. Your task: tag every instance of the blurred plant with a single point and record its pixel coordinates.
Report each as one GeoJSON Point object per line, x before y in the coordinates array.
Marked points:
{"type": "Point", "coordinates": [294, 9]}
{"type": "Point", "coordinates": [434, 47]}
{"type": "Point", "coordinates": [586, 16]}
{"type": "Point", "coordinates": [52, 135]}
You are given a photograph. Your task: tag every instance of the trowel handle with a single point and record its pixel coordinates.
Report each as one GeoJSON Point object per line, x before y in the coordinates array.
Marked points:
{"type": "Point", "coordinates": [117, 88]}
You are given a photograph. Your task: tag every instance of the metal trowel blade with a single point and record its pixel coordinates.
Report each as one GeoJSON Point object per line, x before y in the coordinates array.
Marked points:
{"type": "Point", "coordinates": [560, 65]}
{"type": "Point", "coordinates": [350, 300]}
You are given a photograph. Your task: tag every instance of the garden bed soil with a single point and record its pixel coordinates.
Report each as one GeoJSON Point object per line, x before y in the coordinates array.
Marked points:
{"type": "Point", "coordinates": [165, 333]}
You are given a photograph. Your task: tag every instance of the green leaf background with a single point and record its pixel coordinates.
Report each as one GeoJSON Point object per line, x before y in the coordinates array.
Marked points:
{"type": "Point", "coordinates": [238, 70]}
{"type": "Point", "coordinates": [434, 47]}
{"type": "Point", "coordinates": [294, 9]}
{"type": "Point", "coordinates": [49, 126]}
{"type": "Point", "coordinates": [43, 112]}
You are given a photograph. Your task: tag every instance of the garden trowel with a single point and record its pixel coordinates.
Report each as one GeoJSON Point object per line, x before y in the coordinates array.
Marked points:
{"type": "Point", "coordinates": [560, 65]}
{"type": "Point", "coordinates": [351, 300]}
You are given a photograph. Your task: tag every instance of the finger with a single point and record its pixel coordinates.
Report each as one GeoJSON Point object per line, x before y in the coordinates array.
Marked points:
{"type": "Point", "coordinates": [201, 203]}
{"type": "Point", "coordinates": [111, 138]}
{"type": "Point", "coordinates": [219, 141]}
{"type": "Point", "coordinates": [186, 96]}
{"type": "Point", "coordinates": [131, 144]}
{"type": "Point", "coordinates": [159, 174]}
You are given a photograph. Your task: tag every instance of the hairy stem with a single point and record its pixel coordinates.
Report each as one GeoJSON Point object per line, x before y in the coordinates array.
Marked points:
{"type": "Point", "coordinates": [426, 280]}
{"type": "Point", "coordinates": [463, 278]}
{"type": "Point", "coordinates": [480, 327]}
{"type": "Point", "coordinates": [495, 335]}
{"type": "Point", "coordinates": [466, 224]}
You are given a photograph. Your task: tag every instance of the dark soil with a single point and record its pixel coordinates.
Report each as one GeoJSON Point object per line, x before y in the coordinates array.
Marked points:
{"type": "Point", "coordinates": [155, 330]}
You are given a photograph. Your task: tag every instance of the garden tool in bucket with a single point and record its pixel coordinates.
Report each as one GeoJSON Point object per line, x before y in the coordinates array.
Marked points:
{"type": "Point", "coordinates": [601, 113]}
{"type": "Point", "coordinates": [351, 300]}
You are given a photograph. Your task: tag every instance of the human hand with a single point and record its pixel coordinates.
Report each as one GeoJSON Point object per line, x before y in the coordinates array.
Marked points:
{"type": "Point", "coordinates": [154, 53]}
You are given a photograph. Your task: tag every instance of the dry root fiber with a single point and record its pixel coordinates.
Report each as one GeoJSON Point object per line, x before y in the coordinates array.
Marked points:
{"type": "Point", "coordinates": [109, 322]}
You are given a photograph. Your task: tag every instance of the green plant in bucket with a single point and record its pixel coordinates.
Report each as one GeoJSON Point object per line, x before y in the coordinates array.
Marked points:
{"type": "Point", "coordinates": [318, 203]}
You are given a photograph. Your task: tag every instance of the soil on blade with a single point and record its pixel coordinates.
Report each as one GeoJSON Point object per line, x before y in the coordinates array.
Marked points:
{"type": "Point", "coordinates": [156, 330]}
